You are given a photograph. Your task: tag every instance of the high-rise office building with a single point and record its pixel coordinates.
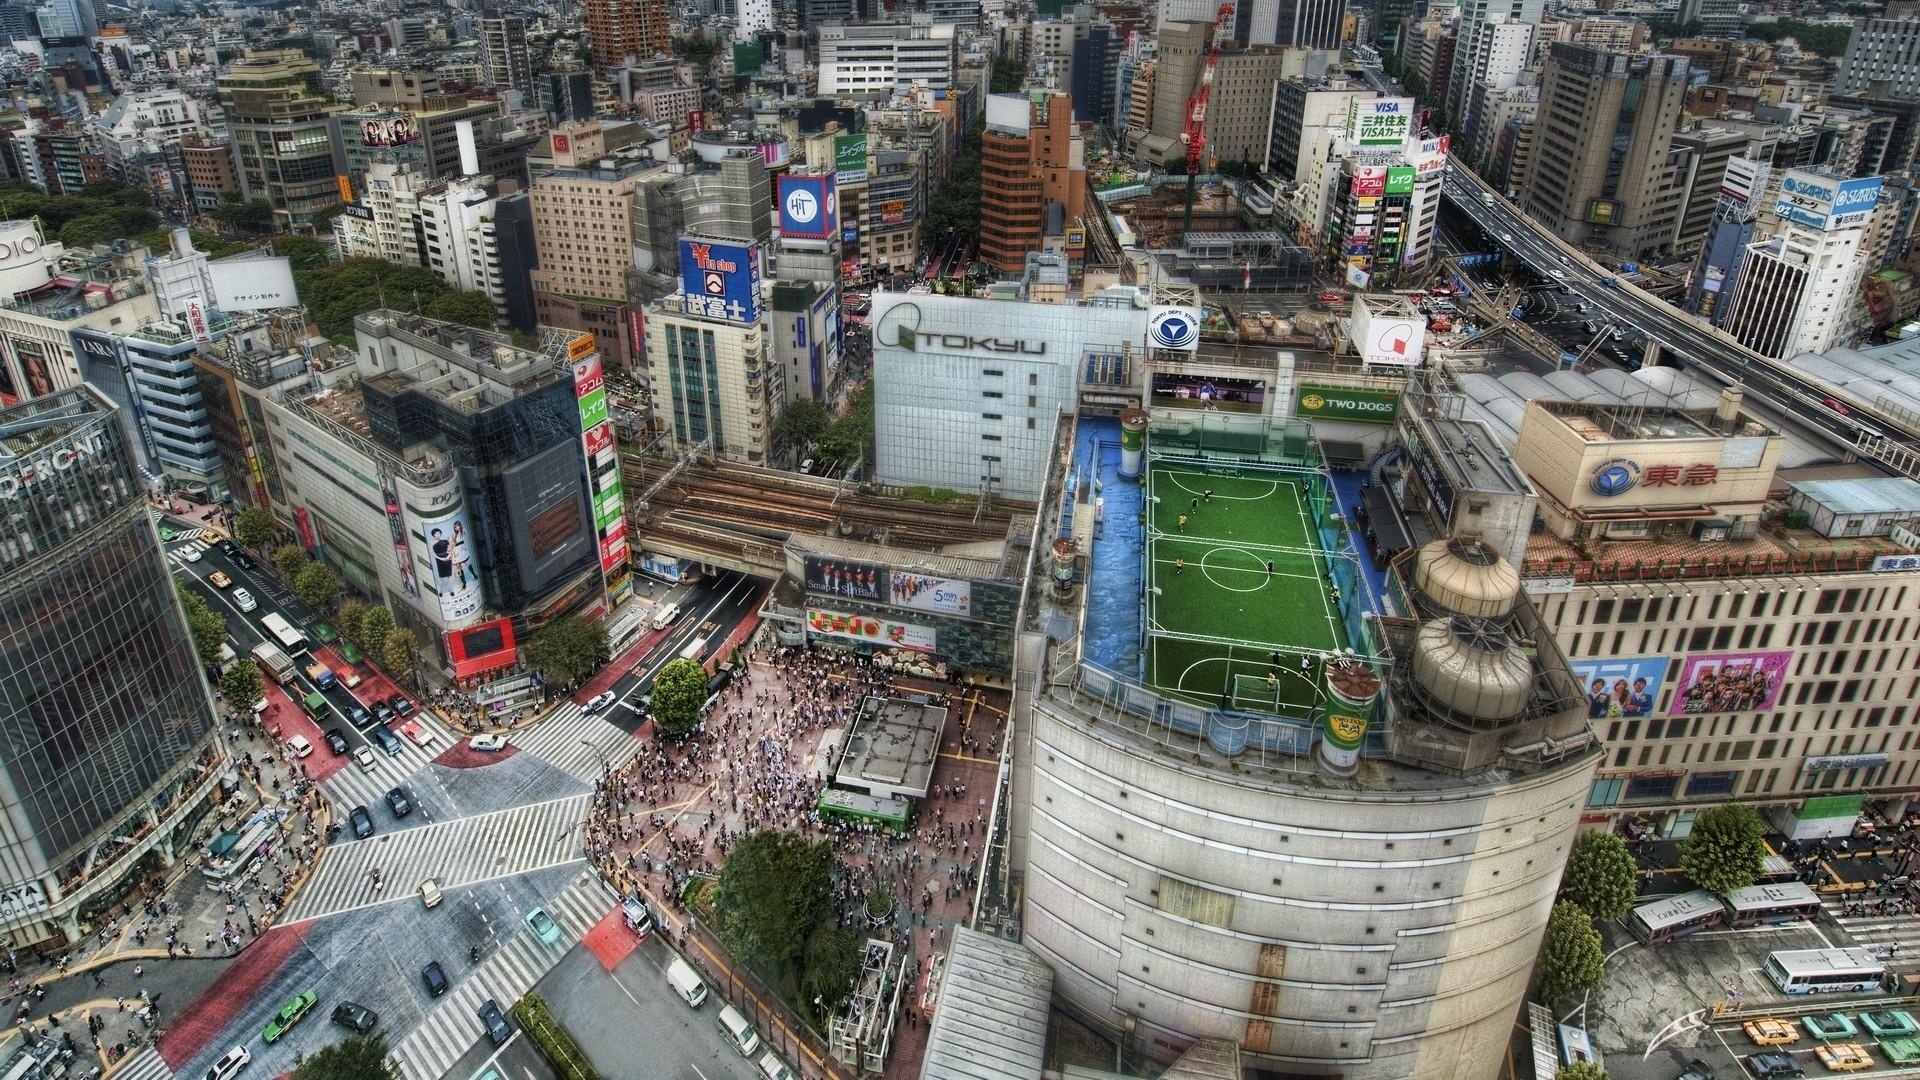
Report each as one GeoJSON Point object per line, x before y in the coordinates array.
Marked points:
{"type": "Point", "coordinates": [504, 57]}
{"type": "Point", "coordinates": [619, 30]}
{"type": "Point", "coordinates": [109, 730]}
{"type": "Point", "coordinates": [1459, 75]}
{"type": "Point", "coordinates": [1602, 165]}
{"type": "Point", "coordinates": [1717, 18]}
{"type": "Point", "coordinates": [1032, 160]}
{"type": "Point", "coordinates": [1499, 50]}
{"type": "Point", "coordinates": [1302, 24]}
{"type": "Point", "coordinates": [1703, 172]}
{"type": "Point", "coordinates": [286, 134]}
{"type": "Point", "coordinates": [1799, 290]}
{"type": "Point", "coordinates": [1882, 51]}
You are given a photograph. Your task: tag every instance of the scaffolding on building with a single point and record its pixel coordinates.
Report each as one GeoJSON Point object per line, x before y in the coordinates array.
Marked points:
{"type": "Point", "coordinates": [861, 1032]}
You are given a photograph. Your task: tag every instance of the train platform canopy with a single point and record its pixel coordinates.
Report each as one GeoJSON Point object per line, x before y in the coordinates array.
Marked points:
{"type": "Point", "coordinates": [990, 1022]}
{"type": "Point", "coordinates": [890, 747]}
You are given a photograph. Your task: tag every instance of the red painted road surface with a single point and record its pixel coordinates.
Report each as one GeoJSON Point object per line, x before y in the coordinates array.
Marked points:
{"type": "Point", "coordinates": [610, 941]}
{"type": "Point", "coordinates": [196, 1025]}
{"type": "Point", "coordinates": [462, 756]}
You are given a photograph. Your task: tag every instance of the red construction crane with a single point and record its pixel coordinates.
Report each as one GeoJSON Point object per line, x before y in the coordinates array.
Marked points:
{"type": "Point", "coordinates": [1195, 136]}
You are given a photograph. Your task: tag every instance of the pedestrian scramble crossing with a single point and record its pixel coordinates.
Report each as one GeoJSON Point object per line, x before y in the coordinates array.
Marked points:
{"type": "Point", "coordinates": [145, 1065]}
{"type": "Point", "coordinates": [356, 786]}
{"type": "Point", "coordinates": [1894, 938]}
{"type": "Point", "coordinates": [459, 852]}
{"type": "Point", "coordinates": [578, 744]}
{"type": "Point", "coordinates": [431, 1049]}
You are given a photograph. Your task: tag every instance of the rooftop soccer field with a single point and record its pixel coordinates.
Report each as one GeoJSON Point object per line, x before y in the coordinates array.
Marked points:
{"type": "Point", "coordinates": [1239, 594]}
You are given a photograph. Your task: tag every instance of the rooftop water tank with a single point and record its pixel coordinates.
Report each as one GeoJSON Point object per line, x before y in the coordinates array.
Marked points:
{"type": "Point", "coordinates": [1472, 668]}
{"type": "Point", "coordinates": [1464, 576]}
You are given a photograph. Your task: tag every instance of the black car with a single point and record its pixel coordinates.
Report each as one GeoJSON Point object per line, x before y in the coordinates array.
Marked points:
{"type": "Point", "coordinates": [226, 548]}
{"type": "Point", "coordinates": [240, 560]}
{"type": "Point", "coordinates": [435, 977]}
{"type": "Point", "coordinates": [400, 705]}
{"type": "Point", "coordinates": [398, 803]}
{"type": "Point", "coordinates": [356, 1017]}
{"type": "Point", "coordinates": [1770, 1065]}
{"type": "Point", "coordinates": [360, 717]}
{"type": "Point", "coordinates": [336, 742]}
{"type": "Point", "coordinates": [496, 1024]}
{"type": "Point", "coordinates": [1697, 1070]}
{"type": "Point", "coordinates": [362, 822]}
{"type": "Point", "coordinates": [382, 711]}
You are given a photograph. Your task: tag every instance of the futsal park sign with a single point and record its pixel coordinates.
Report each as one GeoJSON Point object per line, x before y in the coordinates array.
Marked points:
{"type": "Point", "coordinates": [1349, 404]}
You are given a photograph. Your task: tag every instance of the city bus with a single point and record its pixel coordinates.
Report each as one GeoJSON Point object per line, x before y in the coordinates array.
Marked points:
{"type": "Point", "coordinates": [1824, 971]}
{"type": "Point", "coordinates": [1674, 917]}
{"type": "Point", "coordinates": [1781, 902]}
{"type": "Point", "coordinates": [293, 641]}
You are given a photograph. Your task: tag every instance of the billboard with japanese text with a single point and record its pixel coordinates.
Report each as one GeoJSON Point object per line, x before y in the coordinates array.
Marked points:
{"type": "Point", "coordinates": [724, 276]}
{"type": "Point", "coordinates": [1730, 682]}
{"type": "Point", "coordinates": [1620, 685]}
{"type": "Point", "coordinates": [1379, 121]}
{"type": "Point", "coordinates": [872, 631]}
{"type": "Point", "coordinates": [849, 158]}
{"type": "Point", "coordinates": [1369, 181]}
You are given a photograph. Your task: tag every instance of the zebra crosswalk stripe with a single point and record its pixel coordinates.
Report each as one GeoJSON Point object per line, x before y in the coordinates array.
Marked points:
{"type": "Point", "coordinates": [145, 1065]}
{"type": "Point", "coordinates": [356, 786]}
{"type": "Point", "coordinates": [430, 1049]}
{"type": "Point", "coordinates": [578, 744]}
{"type": "Point", "coordinates": [458, 852]}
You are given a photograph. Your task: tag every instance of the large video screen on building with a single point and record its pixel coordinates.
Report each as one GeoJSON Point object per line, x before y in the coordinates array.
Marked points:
{"type": "Point", "coordinates": [547, 502]}
{"type": "Point", "coordinates": [1180, 390]}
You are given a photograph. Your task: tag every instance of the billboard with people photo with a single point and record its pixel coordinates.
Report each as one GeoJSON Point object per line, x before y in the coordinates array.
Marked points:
{"type": "Point", "coordinates": [1180, 390]}
{"type": "Point", "coordinates": [1730, 682]}
{"type": "Point", "coordinates": [454, 577]}
{"type": "Point", "coordinates": [1627, 686]}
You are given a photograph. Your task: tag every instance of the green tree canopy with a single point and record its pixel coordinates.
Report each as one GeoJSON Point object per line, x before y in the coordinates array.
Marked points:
{"type": "Point", "coordinates": [357, 1057]}
{"type": "Point", "coordinates": [289, 559]}
{"type": "Point", "coordinates": [208, 627]}
{"type": "Point", "coordinates": [775, 888]}
{"type": "Point", "coordinates": [801, 424]}
{"type": "Point", "coordinates": [375, 624]}
{"type": "Point", "coordinates": [568, 650]}
{"type": "Point", "coordinates": [1724, 851]}
{"type": "Point", "coordinates": [1007, 74]}
{"type": "Point", "coordinates": [678, 692]}
{"type": "Point", "coordinates": [254, 528]}
{"type": "Point", "coordinates": [1821, 39]}
{"type": "Point", "coordinates": [1601, 876]}
{"type": "Point", "coordinates": [241, 684]}
{"type": "Point", "coordinates": [1572, 959]}
{"type": "Point", "coordinates": [831, 964]}
{"type": "Point", "coordinates": [851, 436]}
{"type": "Point", "coordinates": [396, 653]}
{"type": "Point", "coordinates": [316, 586]}
{"type": "Point", "coordinates": [251, 216]}
{"type": "Point", "coordinates": [347, 619]}
{"type": "Point", "coordinates": [1581, 1070]}
{"type": "Point", "coordinates": [955, 207]}
{"type": "Point", "coordinates": [335, 292]}
{"type": "Point", "coordinates": [465, 308]}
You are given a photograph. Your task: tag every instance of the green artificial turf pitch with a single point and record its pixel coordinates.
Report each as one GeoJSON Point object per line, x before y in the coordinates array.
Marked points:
{"type": "Point", "coordinates": [1224, 592]}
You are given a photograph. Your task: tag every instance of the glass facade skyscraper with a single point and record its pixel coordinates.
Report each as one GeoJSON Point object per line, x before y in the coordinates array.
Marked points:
{"type": "Point", "coordinates": [106, 725]}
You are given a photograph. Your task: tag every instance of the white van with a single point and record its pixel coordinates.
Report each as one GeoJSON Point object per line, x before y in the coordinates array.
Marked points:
{"type": "Point", "coordinates": [773, 1068]}
{"type": "Point", "coordinates": [687, 983]}
{"type": "Point", "coordinates": [739, 1032]}
{"type": "Point", "coordinates": [665, 616]}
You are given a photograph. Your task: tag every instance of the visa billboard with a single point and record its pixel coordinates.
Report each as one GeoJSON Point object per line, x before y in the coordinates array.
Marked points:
{"type": "Point", "coordinates": [809, 209]}
{"type": "Point", "coordinates": [721, 279]}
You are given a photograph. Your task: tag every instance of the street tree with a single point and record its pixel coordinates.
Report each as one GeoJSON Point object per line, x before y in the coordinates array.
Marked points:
{"type": "Point", "coordinates": [289, 559]}
{"type": "Point", "coordinates": [1601, 876]}
{"type": "Point", "coordinates": [1724, 851]}
{"type": "Point", "coordinates": [208, 627]}
{"type": "Point", "coordinates": [466, 308]}
{"type": "Point", "coordinates": [316, 586]}
{"type": "Point", "coordinates": [375, 624]}
{"type": "Point", "coordinates": [347, 620]}
{"type": "Point", "coordinates": [568, 650]}
{"type": "Point", "coordinates": [1581, 1070]}
{"type": "Point", "coordinates": [357, 1057]}
{"type": "Point", "coordinates": [396, 653]}
{"type": "Point", "coordinates": [829, 967]}
{"type": "Point", "coordinates": [800, 425]}
{"type": "Point", "coordinates": [678, 692]}
{"type": "Point", "coordinates": [241, 685]}
{"type": "Point", "coordinates": [775, 888]}
{"type": "Point", "coordinates": [1572, 960]}
{"type": "Point", "coordinates": [253, 528]}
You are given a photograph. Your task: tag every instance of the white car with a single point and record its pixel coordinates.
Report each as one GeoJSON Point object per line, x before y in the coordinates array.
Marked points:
{"type": "Point", "coordinates": [244, 600]}
{"type": "Point", "coordinates": [1561, 274]}
{"type": "Point", "coordinates": [599, 701]}
{"type": "Point", "coordinates": [189, 552]}
{"type": "Point", "coordinates": [300, 746]}
{"type": "Point", "coordinates": [489, 743]}
{"type": "Point", "coordinates": [363, 756]}
{"type": "Point", "coordinates": [230, 1064]}
{"type": "Point", "coordinates": [1506, 237]}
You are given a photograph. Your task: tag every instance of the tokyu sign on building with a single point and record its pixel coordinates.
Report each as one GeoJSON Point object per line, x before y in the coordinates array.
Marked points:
{"type": "Point", "coordinates": [1346, 403]}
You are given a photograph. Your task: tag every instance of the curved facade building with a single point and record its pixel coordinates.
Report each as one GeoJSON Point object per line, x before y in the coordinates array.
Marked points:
{"type": "Point", "coordinates": [1370, 909]}
{"type": "Point", "coordinates": [107, 731]}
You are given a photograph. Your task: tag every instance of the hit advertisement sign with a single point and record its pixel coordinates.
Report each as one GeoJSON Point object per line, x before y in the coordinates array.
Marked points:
{"type": "Point", "coordinates": [808, 208]}
{"type": "Point", "coordinates": [849, 158]}
{"type": "Point", "coordinates": [720, 279]}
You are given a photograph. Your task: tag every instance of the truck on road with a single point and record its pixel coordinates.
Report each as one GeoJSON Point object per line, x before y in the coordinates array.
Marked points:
{"type": "Point", "coordinates": [321, 675]}
{"type": "Point", "coordinates": [274, 662]}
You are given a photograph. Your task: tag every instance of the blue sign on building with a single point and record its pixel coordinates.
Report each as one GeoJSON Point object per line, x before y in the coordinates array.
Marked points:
{"type": "Point", "coordinates": [809, 209]}
{"type": "Point", "coordinates": [720, 279]}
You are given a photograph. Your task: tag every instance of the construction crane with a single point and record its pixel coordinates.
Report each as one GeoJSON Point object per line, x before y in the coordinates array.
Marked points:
{"type": "Point", "coordinates": [1195, 136]}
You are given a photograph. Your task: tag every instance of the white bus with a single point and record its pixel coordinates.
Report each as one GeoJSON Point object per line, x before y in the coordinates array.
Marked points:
{"type": "Point", "coordinates": [293, 641]}
{"type": "Point", "coordinates": [1824, 971]}
{"type": "Point", "coordinates": [1674, 917]}
{"type": "Point", "coordinates": [1780, 902]}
